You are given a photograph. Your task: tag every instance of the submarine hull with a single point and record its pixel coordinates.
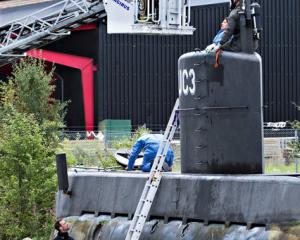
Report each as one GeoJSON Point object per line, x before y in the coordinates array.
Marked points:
{"type": "Point", "coordinates": [221, 128]}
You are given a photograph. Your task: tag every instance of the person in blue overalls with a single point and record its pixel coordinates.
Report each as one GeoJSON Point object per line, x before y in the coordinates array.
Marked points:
{"type": "Point", "coordinates": [150, 144]}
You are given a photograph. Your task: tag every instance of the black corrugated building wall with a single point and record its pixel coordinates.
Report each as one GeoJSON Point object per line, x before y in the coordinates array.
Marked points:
{"type": "Point", "coordinates": [280, 51]}
{"type": "Point", "coordinates": [137, 75]}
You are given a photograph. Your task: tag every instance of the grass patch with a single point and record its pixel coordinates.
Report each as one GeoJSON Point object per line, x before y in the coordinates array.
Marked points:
{"type": "Point", "coordinates": [93, 153]}
{"type": "Point", "coordinates": [89, 153]}
{"type": "Point", "coordinates": [280, 168]}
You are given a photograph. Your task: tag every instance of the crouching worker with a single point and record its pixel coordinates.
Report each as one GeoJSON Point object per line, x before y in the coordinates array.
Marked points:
{"type": "Point", "coordinates": [62, 227]}
{"type": "Point", "coordinates": [150, 144]}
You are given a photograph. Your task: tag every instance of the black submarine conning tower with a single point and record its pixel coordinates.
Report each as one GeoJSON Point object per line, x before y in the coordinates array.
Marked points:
{"type": "Point", "coordinates": [221, 108]}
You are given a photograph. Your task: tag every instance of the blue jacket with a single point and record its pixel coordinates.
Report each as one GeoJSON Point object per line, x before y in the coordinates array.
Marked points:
{"type": "Point", "coordinates": [219, 36]}
{"type": "Point", "coordinates": [150, 144]}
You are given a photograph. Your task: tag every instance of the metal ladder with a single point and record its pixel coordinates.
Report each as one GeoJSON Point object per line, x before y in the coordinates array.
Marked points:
{"type": "Point", "coordinates": [46, 25]}
{"type": "Point", "coordinates": [154, 178]}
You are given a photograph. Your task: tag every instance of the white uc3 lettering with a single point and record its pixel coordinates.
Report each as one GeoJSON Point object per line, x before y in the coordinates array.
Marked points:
{"type": "Point", "coordinates": [186, 82]}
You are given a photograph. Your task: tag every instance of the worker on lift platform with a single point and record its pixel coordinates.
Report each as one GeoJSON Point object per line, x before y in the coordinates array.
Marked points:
{"type": "Point", "coordinates": [150, 144]}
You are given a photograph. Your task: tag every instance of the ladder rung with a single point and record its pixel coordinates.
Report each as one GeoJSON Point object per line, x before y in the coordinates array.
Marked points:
{"type": "Point", "coordinates": [148, 200]}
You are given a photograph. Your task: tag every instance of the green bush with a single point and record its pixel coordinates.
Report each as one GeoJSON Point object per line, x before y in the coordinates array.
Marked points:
{"type": "Point", "coordinates": [295, 144]}
{"type": "Point", "coordinates": [129, 142]}
{"type": "Point", "coordinates": [27, 178]}
{"type": "Point", "coordinates": [30, 127]}
{"type": "Point", "coordinates": [88, 154]}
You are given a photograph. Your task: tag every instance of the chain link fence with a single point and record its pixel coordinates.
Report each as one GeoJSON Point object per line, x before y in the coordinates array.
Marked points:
{"type": "Point", "coordinates": [93, 149]}
{"type": "Point", "coordinates": [280, 133]}
{"type": "Point", "coordinates": [279, 155]}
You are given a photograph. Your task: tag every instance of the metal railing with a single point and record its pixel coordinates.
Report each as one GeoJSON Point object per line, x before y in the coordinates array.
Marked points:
{"type": "Point", "coordinates": [82, 134]}
{"type": "Point", "coordinates": [151, 11]}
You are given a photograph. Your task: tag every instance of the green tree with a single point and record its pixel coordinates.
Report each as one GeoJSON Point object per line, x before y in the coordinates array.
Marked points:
{"type": "Point", "coordinates": [30, 125]}
{"type": "Point", "coordinates": [27, 178]}
{"type": "Point", "coordinates": [29, 90]}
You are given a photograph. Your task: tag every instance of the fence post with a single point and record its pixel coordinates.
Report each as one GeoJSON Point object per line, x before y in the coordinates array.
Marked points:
{"type": "Point", "coordinates": [295, 155]}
